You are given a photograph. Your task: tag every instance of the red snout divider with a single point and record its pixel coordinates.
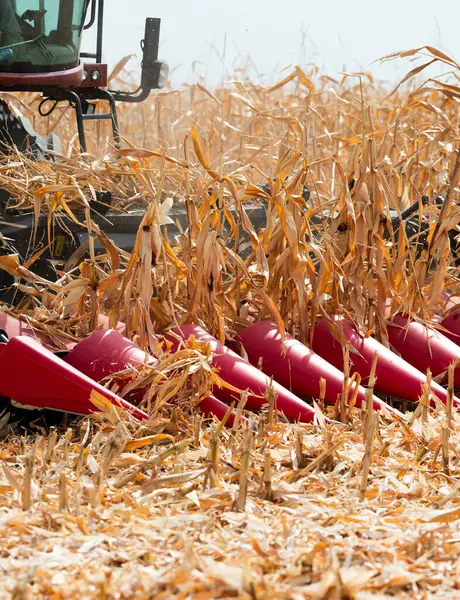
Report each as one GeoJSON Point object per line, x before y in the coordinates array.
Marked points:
{"type": "Point", "coordinates": [452, 323]}
{"type": "Point", "coordinates": [32, 375]}
{"type": "Point", "coordinates": [14, 327]}
{"type": "Point", "coordinates": [294, 365]}
{"type": "Point", "coordinates": [395, 376]}
{"type": "Point", "coordinates": [424, 348]}
{"type": "Point", "coordinates": [104, 353]}
{"type": "Point", "coordinates": [244, 376]}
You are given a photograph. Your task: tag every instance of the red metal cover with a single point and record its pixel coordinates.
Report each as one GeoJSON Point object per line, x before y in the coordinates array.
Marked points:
{"type": "Point", "coordinates": [452, 324]}
{"type": "Point", "coordinates": [106, 352]}
{"type": "Point", "coordinates": [68, 78]}
{"type": "Point", "coordinates": [14, 327]}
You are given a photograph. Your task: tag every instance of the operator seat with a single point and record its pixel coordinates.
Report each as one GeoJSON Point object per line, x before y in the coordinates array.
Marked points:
{"type": "Point", "coordinates": [10, 31]}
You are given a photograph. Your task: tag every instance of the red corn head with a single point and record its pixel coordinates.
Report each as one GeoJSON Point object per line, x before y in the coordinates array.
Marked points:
{"type": "Point", "coordinates": [211, 406]}
{"type": "Point", "coordinates": [106, 352]}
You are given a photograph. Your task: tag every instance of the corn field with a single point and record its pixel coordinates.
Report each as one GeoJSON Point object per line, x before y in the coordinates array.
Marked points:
{"type": "Point", "coordinates": [181, 506]}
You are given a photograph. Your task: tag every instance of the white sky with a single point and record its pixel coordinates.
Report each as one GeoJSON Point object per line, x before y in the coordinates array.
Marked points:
{"type": "Point", "coordinates": [339, 34]}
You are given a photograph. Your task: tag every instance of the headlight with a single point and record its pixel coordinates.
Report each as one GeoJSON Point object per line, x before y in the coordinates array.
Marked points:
{"type": "Point", "coordinates": [163, 75]}
{"type": "Point", "coordinates": [155, 75]}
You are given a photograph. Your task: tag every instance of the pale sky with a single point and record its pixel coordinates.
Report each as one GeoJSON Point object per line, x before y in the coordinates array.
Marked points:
{"type": "Point", "coordinates": [338, 34]}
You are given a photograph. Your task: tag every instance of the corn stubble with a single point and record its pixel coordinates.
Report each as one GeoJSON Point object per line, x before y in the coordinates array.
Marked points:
{"type": "Point", "coordinates": [182, 508]}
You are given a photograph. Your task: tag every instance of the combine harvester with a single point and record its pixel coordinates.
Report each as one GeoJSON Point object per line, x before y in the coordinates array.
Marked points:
{"type": "Point", "coordinates": [40, 52]}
